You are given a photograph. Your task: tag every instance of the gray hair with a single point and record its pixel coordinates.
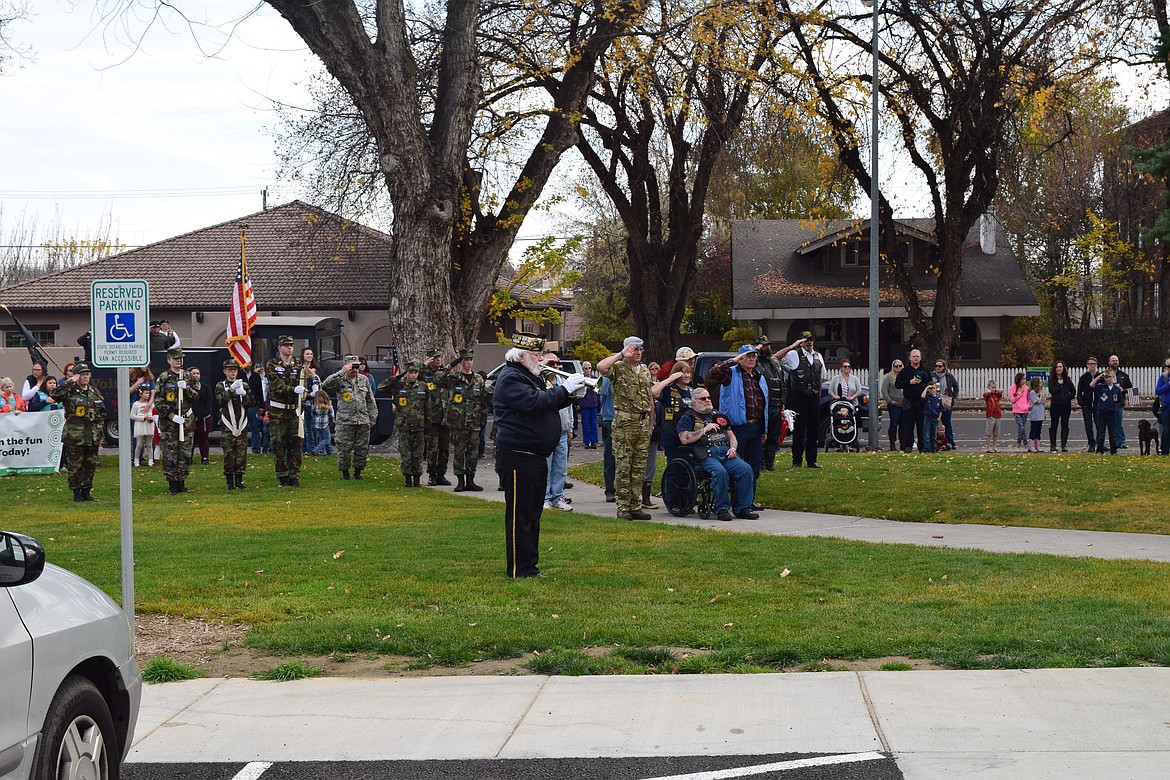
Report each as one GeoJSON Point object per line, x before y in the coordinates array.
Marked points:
{"type": "Point", "coordinates": [517, 355]}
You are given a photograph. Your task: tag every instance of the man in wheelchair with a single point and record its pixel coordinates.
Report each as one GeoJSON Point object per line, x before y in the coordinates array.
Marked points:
{"type": "Point", "coordinates": [714, 447]}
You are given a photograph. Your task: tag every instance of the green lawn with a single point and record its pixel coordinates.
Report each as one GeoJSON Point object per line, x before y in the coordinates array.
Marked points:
{"type": "Point", "coordinates": [371, 567]}
{"type": "Point", "coordinates": [1077, 490]}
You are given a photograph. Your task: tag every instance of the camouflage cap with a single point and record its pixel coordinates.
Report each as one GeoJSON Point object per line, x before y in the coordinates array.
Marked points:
{"type": "Point", "coordinates": [411, 365]}
{"type": "Point", "coordinates": [528, 341]}
{"type": "Point", "coordinates": [175, 352]}
{"type": "Point", "coordinates": [230, 363]}
{"type": "Point", "coordinates": [763, 339]}
{"type": "Point", "coordinates": [433, 352]}
{"type": "Point", "coordinates": [82, 368]}
{"type": "Point", "coordinates": [467, 354]}
{"type": "Point", "coordinates": [352, 359]}
{"type": "Point", "coordinates": [284, 340]}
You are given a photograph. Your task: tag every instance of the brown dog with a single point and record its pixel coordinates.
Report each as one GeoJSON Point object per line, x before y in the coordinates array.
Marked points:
{"type": "Point", "coordinates": [1146, 435]}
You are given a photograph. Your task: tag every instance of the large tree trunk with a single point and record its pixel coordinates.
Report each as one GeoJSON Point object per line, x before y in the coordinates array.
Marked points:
{"type": "Point", "coordinates": [660, 292]}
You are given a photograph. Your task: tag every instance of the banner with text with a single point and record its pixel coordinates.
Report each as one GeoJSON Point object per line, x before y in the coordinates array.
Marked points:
{"type": "Point", "coordinates": [30, 442]}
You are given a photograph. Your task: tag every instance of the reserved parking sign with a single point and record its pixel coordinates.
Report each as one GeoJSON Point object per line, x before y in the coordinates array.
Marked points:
{"type": "Point", "coordinates": [119, 319]}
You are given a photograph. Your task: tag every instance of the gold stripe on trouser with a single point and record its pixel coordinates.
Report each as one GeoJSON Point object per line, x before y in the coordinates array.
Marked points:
{"type": "Point", "coordinates": [513, 523]}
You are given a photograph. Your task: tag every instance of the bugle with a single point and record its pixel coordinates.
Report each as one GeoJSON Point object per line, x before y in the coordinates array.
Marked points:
{"type": "Point", "coordinates": [548, 372]}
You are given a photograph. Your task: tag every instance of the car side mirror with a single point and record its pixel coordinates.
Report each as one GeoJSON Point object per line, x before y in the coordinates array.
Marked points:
{"type": "Point", "coordinates": [22, 559]}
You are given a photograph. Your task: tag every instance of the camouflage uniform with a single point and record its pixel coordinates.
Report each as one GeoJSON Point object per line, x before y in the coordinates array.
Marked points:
{"type": "Point", "coordinates": [438, 436]}
{"type": "Point", "coordinates": [284, 424]}
{"type": "Point", "coordinates": [412, 402]}
{"type": "Point", "coordinates": [357, 411]}
{"type": "Point", "coordinates": [234, 426]}
{"type": "Point", "coordinates": [85, 414]}
{"type": "Point", "coordinates": [631, 431]}
{"type": "Point", "coordinates": [466, 403]}
{"type": "Point", "coordinates": [168, 399]}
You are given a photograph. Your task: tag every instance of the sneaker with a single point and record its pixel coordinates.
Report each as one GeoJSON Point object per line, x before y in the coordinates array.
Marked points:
{"type": "Point", "coordinates": [610, 498]}
{"type": "Point", "coordinates": [137, 463]}
{"type": "Point", "coordinates": [747, 514]}
{"type": "Point", "coordinates": [569, 486]}
{"type": "Point", "coordinates": [725, 515]}
{"type": "Point", "coordinates": [566, 500]}
{"type": "Point", "coordinates": [547, 505]}
{"type": "Point", "coordinates": [561, 505]}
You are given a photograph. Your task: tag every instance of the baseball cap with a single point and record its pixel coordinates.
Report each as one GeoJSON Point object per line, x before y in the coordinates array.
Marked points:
{"type": "Point", "coordinates": [807, 336]}
{"type": "Point", "coordinates": [747, 349]}
{"type": "Point", "coordinates": [173, 352]}
{"type": "Point", "coordinates": [284, 340]}
{"type": "Point", "coordinates": [528, 341]}
{"type": "Point", "coordinates": [684, 353]}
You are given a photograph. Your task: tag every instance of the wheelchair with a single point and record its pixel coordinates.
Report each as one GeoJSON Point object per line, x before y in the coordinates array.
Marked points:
{"type": "Point", "coordinates": [688, 486]}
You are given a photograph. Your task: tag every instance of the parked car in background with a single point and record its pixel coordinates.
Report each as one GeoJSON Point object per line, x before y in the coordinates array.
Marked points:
{"type": "Point", "coordinates": [705, 360]}
{"type": "Point", "coordinates": [69, 687]}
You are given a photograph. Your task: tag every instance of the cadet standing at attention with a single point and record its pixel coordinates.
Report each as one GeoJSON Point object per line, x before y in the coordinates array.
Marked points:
{"type": "Point", "coordinates": [466, 404]}
{"type": "Point", "coordinates": [234, 397]}
{"type": "Point", "coordinates": [632, 407]}
{"type": "Point", "coordinates": [413, 406]}
{"type": "Point", "coordinates": [84, 417]}
{"type": "Point", "coordinates": [286, 391]}
{"type": "Point", "coordinates": [438, 437]}
{"type": "Point", "coordinates": [175, 399]}
{"type": "Point", "coordinates": [357, 412]}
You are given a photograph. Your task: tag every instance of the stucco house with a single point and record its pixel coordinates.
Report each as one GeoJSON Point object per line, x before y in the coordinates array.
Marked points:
{"type": "Point", "coordinates": [792, 275]}
{"type": "Point", "coordinates": [303, 262]}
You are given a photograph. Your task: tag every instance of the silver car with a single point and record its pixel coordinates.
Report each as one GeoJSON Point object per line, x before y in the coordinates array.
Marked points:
{"type": "Point", "coordinates": [69, 687]}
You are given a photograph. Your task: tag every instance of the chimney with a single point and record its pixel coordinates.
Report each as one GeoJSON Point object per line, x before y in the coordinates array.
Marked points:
{"type": "Point", "coordinates": [987, 226]}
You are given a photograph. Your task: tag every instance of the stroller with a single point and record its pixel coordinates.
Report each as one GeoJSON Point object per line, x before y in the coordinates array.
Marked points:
{"type": "Point", "coordinates": [842, 426]}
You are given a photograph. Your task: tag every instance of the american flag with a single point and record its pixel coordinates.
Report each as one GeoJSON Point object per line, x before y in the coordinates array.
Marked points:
{"type": "Point", "coordinates": [242, 315]}
{"type": "Point", "coordinates": [394, 360]}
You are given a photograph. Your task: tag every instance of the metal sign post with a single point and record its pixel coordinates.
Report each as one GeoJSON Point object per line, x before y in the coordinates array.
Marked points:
{"type": "Point", "coordinates": [120, 324]}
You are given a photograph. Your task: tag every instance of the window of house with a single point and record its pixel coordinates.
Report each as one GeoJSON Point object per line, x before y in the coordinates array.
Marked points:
{"type": "Point", "coordinates": [14, 339]}
{"type": "Point", "coordinates": [854, 255]}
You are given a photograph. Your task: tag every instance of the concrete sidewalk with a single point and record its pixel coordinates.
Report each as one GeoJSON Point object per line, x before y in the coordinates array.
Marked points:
{"type": "Point", "coordinates": [1053, 723]}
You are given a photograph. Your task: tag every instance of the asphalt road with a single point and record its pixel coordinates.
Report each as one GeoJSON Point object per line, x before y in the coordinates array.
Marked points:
{"type": "Point", "coordinates": [853, 766]}
{"type": "Point", "coordinates": [969, 436]}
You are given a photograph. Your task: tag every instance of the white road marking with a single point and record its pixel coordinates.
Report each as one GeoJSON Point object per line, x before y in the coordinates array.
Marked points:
{"type": "Point", "coordinates": [253, 770]}
{"type": "Point", "coordinates": [779, 766]}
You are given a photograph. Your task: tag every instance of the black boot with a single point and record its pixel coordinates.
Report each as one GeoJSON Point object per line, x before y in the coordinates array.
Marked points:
{"type": "Point", "coordinates": [432, 480]}
{"type": "Point", "coordinates": [442, 479]}
{"type": "Point", "coordinates": [183, 486]}
{"type": "Point", "coordinates": [409, 478]}
{"type": "Point", "coordinates": [357, 473]}
{"type": "Point", "coordinates": [345, 473]}
{"type": "Point", "coordinates": [293, 481]}
{"type": "Point", "coordinates": [86, 495]}
{"type": "Point", "coordinates": [174, 489]}
{"type": "Point", "coordinates": [77, 495]}
{"type": "Point", "coordinates": [283, 481]}
{"type": "Point", "coordinates": [240, 482]}
{"type": "Point", "coordinates": [470, 483]}
{"type": "Point", "coordinates": [231, 481]}
{"type": "Point", "coordinates": [459, 486]}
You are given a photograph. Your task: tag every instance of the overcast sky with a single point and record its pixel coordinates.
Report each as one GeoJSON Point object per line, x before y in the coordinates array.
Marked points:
{"type": "Point", "coordinates": [89, 121]}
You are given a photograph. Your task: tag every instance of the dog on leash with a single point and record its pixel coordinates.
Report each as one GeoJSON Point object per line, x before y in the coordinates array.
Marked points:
{"type": "Point", "coordinates": [1146, 435]}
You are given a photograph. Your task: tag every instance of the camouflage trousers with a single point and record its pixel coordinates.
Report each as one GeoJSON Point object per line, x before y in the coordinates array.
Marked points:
{"type": "Point", "coordinates": [81, 460]}
{"type": "Point", "coordinates": [235, 451]}
{"type": "Point", "coordinates": [410, 450]}
{"type": "Point", "coordinates": [438, 449]}
{"type": "Point", "coordinates": [176, 455]}
{"type": "Point", "coordinates": [286, 446]}
{"type": "Point", "coordinates": [352, 441]}
{"type": "Point", "coordinates": [631, 447]}
{"type": "Point", "coordinates": [465, 451]}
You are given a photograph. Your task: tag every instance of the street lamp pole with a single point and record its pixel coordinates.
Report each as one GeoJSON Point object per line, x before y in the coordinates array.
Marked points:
{"type": "Point", "coordinates": [874, 267]}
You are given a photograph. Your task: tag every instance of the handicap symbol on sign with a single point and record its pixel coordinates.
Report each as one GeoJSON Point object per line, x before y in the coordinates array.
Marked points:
{"type": "Point", "coordinates": [117, 329]}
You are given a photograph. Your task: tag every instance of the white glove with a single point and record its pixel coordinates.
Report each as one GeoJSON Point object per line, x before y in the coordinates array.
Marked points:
{"type": "Point", "coordinates": [238, 385]}
{"type": "Point", "coordinates": [182, 385]}
{"type": "Point", "coordinates": [299, 389]}
{"type": "Point", "coordinates": [574, 382]}
{"type": "Point", "coordinates": [177, 420]}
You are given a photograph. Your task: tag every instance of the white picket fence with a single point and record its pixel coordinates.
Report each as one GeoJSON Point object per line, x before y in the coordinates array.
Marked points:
{"type": "Point", "coordinates": [973, 381]}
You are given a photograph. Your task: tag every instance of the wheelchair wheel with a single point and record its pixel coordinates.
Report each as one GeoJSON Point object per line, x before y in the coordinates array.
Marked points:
{"type": "Point", "coordinates": [678, 487]}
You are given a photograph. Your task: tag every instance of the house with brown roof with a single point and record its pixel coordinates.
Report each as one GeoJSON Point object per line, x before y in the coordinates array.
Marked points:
{"type": "Point", "coordinates": [303, 262]}
{"type": "Point", "coordinates": [793, 275]}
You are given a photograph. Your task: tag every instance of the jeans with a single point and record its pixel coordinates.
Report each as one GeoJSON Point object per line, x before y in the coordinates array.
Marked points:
{"type": "Point", "coordinates": [323, 441]}
{"type": "Point", "coordinates": [1108, 420]}
{"type": "Point", "coordinates": [930, 435]}
{"type": "Point", "coordinates": [1021, 427]}
{"type": "Point", "coordinates": [1164, 421]}
{"type": "Point", "coordinates": [589, 426]}
{"type": "Point", "coordinates": [946, 420]}
{"type": "Point", "coordinates": [1060, 415]}
{"type": "Point", "coordinates": [723, 469]}
{"type": "Point", "coordinates": [260, 442]}
{"type": "Point", "coordinates": [749, 440]}
{"type": "Point", "coordinates": [311, 434]}
{"type": "Point", "coordinates": [912, 426]}
{"type": "Point", "coordinates": [609, 465]}
{"type": "Point", "coordinates": [558, 465]}
{"type": "Point", "coordinates": [1090, 417]}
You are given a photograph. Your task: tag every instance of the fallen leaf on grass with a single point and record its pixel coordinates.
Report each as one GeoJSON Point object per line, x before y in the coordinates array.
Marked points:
{"type": "Point", "coordinates": [713, 599]}
{"type": "Point", "coordinates": [338, 554]}
{"type": "Point", "coordinates": [785, 573]}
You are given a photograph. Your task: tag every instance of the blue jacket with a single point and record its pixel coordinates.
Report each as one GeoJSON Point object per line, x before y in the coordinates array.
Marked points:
{"type": "Point", "coordinates": [731, 401]}
{"type": "Point", "coordinates": [1163, 390]}
{"type": "Point", "coordinates": [527, 416]}
{"type": "Point", "coordinates": [605, 392]}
